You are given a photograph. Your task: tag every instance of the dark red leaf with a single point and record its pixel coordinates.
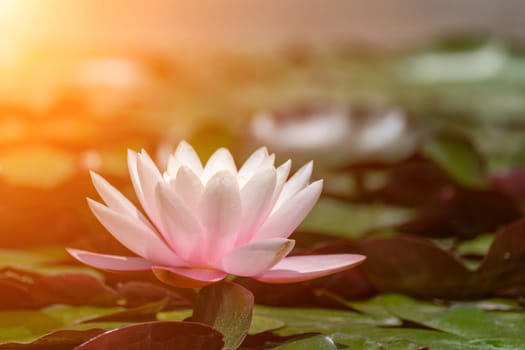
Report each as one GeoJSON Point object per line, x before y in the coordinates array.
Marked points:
{"type": "Point", "coordinates": [412, 265]}
{"type": "Point", "coordinates": [463, 213]}
{"type": "Point", "coordinates": [157, 336]}
{"type": "Point", "coordinates": [503, 267]}
{"type": "Point", "coordinates": [142, 292]}
{"type": "Point", "coordinates": [511, 182]}
{"type": "Point", "coordinates": [58, 340]}
{"type": "Point", "coordinates": [15, 296]}
{"type": "Point", "coordinates": [418, 267]}
{"type": "Point", "coordinates": [74, 289]}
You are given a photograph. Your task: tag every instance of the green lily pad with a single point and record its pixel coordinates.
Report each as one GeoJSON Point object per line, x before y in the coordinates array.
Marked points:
{"type": "Point", "coordinates": [352, 221]}
{"type": "Point", "coordinates": [262, 324]}
{"type": "Point", "coordinates": [458, 158]}
{"type": "Point", "coordinates": [319, 342]}
{"type": "Point", "coordinates": [227, 307]}
{"type": "Point", "coordinates": [476, 246]}
{"type": "Point", "coordinates": [308, 320]}
{"type": "Point", "coordinates": [464, 321]}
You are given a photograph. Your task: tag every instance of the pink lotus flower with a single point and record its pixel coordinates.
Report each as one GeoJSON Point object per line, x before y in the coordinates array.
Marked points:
{"type": "Point", "coordinates": [205, 222]}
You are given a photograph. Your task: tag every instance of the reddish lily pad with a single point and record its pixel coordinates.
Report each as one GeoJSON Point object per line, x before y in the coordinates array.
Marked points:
{"type": "Point", "coordinates": [511, 182]}
{"type": "Point", "coordinates": [416, 266]}
{"type": "Point", "coordinates": [412, 265]}
{"type": "Point", "coordinates": [158, 335]}
{"type": "Point", "coordinates": [73, 289]}
{"type": "Point", "coordinates": [141, 292]}
{"type": "Point", "coordinates": [58, 340]}
{"type": "Point", "coordinates": [503, 266]}
{"type": "Point", "coordinates": [409, 184]}
{"type": "Point", "coordinates": [13, 295]}
{"type": "Point", "coordinates": [463, 213]}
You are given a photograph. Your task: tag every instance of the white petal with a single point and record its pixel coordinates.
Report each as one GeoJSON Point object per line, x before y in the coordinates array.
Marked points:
{"type": "Point", "coordinates": [135, 236]}
{"type": "Point", "coordinates": [296, 183]}
{"type": "Point", "coordinates": [149, 176]}
{"type": "Point", "coordinates": [185, 155]}
{"type": "Point", "coordinates": [220, 160]}
{"type": "Point", "coordinates": [282, 175]}
{"type": "Point", "coordinates": [252, 163]}
{"type": "Point", "coordinates": [255, 258]}
{"type": "Point", "coordinates": [110, 262]}
{"type": "Point", "coordinates": [256, 198]}
{"type": "Point", "coordinates": [173, 167]}
{"type": "Point", "coordinates": [220, 214]}
{"type": "Point", "coordinates": [183, 230]}
{"type": "Point", "coordinates": [285, 220]}
{"type": "Point", "coordinates": [116, 200]}
{"type": "Point", "coordinates": [188, 186]}
{"type": "Point", "coordinates": [303, 268]}
{"type": "Point", "coordinates": [133, 173]}
{"type": "Point", "coordinates": [268, 162]}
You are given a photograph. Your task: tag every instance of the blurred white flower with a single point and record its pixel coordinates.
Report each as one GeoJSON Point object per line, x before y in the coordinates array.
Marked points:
{"type": "Point", "coordinates": [337, 137]}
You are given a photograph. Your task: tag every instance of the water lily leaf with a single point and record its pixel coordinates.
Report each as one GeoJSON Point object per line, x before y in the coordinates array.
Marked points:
{"type": "Point", "coordinates": [60, 339]}
{"type": "Point", "coordinates": [412, 265]}
{"type": "Point", "coordinates": [14, 295]}
{"type": "Point", "coordinates": [35, 217]}
{"type": "Point", "coordinates": [142, 292]}
{"type": "Point", "coordinates": [259, 324]}
{"type": "Point", "coordinates": [463, 213]}
{"type": "Point", "coordinates": [74, 289]}
{"type": "Point", "coordinates": [495, 304]}
{"type": "Point", "coordinates": [448, 325]}
{"type": "Point", "coordinates": [478, 246]}
{"type": "Point", "coordinates": [34, 258]}
{"type": "Point", "coordinates": [373, 307]}
{"type": "Point", "coordinates": [462, 320]}
{"type": "Point", "coordinates": [319, 342]}
{"type": "Point", "coordinates": [157, 335]}
{"type": "Point", "coordinates": [35, 322]}
{"type": "Point", "coordinates": [174, 315]}
{"type": "Point", "coordinates": [312, 320]}
{"type": "Point", "coordinates": [512, 182]}
{"type": "Point", "coordinates": [142, 313]}
{"type": "Point", "coordinates": [411, 339]}
{"type": "Point", "coordinates": [408, 184]}
{"type": "Point", "coordinates": [442, 207]}
{"type": "Point", "coordinates": [262, 324]}
{"type": "Point", "coordinates": [64, 339]}
{"type": "Point", "coordinates": [70, 315]}
{"type": "Point", "coordinates": [354, 341]}
{"type": "Point", "coordinates": [503, 266]}
{"type": "Point", "coordinates": [351, 220]}
{"type": "Point", "coordinates": [458, 157]}
{"type": "Point", "coordinates": [59, 326]}
{"type": "Point", "coordinates": [228, 308]}
{"type": "Point", "coordinates": [84, 314]}
{"type": "Point", "coordinates": [418, 267]}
